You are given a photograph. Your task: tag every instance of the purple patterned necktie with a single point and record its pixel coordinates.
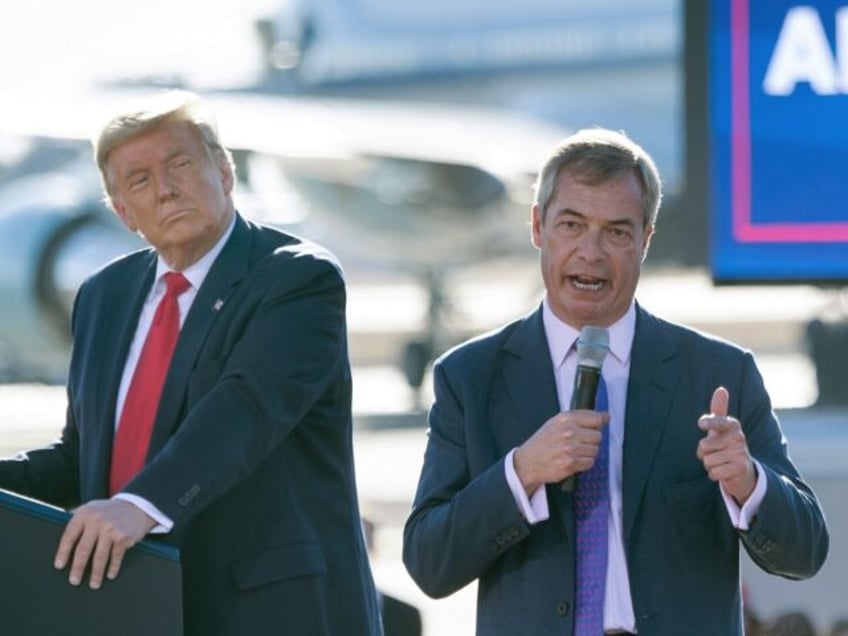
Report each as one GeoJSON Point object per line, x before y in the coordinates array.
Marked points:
{"type": "Point", "coordinates": [591, 506]}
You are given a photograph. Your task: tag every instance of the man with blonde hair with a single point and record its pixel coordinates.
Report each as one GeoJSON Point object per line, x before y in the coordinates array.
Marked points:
{"type": "Point", "coordinates": [209, 399]}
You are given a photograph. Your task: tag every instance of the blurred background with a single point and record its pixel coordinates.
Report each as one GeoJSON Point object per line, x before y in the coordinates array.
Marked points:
{"type": "Point", "coordinates": [406, 137]}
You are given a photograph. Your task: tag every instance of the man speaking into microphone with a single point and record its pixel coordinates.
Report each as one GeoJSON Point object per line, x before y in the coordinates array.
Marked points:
{"type": "Point", "coordinates": [626, 518]}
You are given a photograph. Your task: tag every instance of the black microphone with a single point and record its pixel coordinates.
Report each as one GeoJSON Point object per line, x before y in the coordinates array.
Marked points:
{"type": "Point", "coordinates": [592, 348]}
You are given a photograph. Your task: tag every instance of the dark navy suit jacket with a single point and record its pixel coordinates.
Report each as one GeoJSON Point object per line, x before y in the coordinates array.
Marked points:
{"type": "Point", "coordinates": [251, 454]}
{"type": "Point", "coordinates": [492, 393]}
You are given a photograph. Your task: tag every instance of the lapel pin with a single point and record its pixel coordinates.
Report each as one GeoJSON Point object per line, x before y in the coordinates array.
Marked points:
{"type": "Point", "coordinates": [218, 304]}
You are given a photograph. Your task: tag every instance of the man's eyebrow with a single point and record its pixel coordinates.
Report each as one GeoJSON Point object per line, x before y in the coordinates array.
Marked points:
{"type": "Point", "coordinates": [568, 212]}
{"type": "Point", "coordinates": [623, 221]}
{"type": "Point", "coordinates": [168, 158]}
{"type": "Point", "coordinates": [176, 153]}
{"type": "Point", "coordinates": [133, 172]}
{"type": "Point", "coordinates": [571, 212]}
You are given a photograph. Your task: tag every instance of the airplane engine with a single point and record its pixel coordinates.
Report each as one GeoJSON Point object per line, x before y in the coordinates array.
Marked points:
{"type": "Point", "coordinates": [53, 233]}
{"type": "Point", "coordinates": [421, 215]}
{"type": "Point", "coordinates": [424, 216]}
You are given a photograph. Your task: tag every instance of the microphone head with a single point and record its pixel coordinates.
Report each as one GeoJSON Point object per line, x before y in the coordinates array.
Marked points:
{"type": "Point", "coordinates": [592, 346]}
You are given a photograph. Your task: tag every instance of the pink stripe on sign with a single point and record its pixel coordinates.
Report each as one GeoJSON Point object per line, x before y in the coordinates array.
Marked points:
{"type": "Point", "coordinates": [744, 230]}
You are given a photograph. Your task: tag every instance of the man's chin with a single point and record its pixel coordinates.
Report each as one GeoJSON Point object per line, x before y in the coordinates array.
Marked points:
{"type": "Point", "coordinates": [584, 311]}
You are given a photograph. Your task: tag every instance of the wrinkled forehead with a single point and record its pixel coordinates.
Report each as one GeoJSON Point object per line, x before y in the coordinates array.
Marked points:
{"type": "Point", "coordinates": [158, 142]}
{"type": "Point", "coordinates": [591, 175]}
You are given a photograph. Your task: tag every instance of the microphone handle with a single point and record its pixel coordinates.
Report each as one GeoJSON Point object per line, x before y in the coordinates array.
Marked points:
{"type": "Point", "coordinates": [583, 397]}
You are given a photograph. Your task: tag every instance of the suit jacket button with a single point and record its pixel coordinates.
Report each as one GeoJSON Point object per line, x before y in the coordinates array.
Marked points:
{"type": "Point", "coordinates": [562, 608]}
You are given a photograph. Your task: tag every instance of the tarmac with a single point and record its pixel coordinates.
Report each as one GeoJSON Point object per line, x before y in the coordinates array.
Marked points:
{"type": "Point", "coordinates": [385, 312]}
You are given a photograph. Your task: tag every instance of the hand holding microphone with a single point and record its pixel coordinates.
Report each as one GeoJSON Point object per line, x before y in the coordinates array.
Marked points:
{"type": "Point", "coordinates": [567, 438]}
{"type": "Point", "coordinates": [592, 348]}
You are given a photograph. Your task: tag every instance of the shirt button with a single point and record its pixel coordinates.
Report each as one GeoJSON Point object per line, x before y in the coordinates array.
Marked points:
{"type": "Point", "coordinates": [562, 608]}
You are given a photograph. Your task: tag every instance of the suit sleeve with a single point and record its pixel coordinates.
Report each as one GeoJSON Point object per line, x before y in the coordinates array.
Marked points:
{"type": "Point", "coordinates": [50, 474]}
{"type": "Point", "coordinates": [788, 536]}
{"type": "Point", "coordinates": [461, 522]}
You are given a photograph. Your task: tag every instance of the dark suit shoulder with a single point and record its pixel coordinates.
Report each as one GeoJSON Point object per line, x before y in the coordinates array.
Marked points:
{"type": "Point", "coordinates": [666, 333]}
{"type": "Point", "coordinates": [118, 269]}
{"type": "Point", "coordinates": [282, 247]}
{"type": "Point", "coordinates": [115, 277]}
{"type": "Point", "coordinates": [483, 349]}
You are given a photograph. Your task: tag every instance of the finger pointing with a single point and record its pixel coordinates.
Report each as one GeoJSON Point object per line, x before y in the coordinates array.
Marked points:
{"type": "Point", "coordinates": [719, 402]}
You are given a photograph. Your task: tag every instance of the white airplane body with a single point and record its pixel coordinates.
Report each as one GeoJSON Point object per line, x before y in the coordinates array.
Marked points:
{"type": "Point", "coordinates": [413, 143]}
{"type": "Point", "coordinates": [414, 187]}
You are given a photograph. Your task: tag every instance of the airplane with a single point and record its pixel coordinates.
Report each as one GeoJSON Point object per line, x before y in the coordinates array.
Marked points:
{"type": "Point", "coordinates": [456, 181]}
{"type": "Point", "coordinates": [414, 138]}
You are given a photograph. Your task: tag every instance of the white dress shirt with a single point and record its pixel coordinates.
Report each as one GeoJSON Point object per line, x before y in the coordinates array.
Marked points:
{"type": "Point", "coordinates": [618, 604]}
{"type": "Point", "coordinates": [195, 274]}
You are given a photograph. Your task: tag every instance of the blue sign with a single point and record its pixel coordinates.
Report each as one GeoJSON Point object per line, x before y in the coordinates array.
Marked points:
{"type": "Point", "coordinates": [778, 126]}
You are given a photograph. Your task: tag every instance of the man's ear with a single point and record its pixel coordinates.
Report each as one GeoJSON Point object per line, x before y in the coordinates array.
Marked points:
{"type": "Point", "coordinates": [227, 177]}
{"type": "Point", "coordinates": [646, 241]}
{"type": "Point", "coordinates": [536, 225]}
{"type": "Point", "coordinates": [123, 214]}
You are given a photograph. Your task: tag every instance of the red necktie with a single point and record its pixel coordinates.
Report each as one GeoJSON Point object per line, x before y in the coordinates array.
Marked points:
{"type": "Point", "coordinates": [136, 423]}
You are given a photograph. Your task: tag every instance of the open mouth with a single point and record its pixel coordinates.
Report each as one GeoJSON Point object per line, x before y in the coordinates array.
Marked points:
{"type": "Point", "coordinates": [587, 283]}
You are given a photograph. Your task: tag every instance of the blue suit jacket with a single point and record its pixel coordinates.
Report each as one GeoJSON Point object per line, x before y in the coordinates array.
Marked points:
{"type": "Point", "coordinates": [251, 453]}
{"type": "Point", "coordinates": [682, 551]}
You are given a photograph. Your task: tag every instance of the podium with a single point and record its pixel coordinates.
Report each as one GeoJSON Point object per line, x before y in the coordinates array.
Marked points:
{"type": "Point", "coordinates": [37, 600]}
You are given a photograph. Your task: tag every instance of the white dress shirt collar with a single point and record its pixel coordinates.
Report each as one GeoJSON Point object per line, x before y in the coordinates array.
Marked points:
{"type": "Point", "coordinates": [196, 272]}
{"type": "Point", "coordinates": [562, 336]}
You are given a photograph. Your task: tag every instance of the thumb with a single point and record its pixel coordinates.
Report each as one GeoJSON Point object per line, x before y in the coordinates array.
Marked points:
{"type": "Point", "coordinates": [718, 403]}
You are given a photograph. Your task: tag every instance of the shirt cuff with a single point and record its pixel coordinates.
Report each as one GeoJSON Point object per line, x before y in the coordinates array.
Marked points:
{"type": "Point", "coordinates": [163, 523]}
{"type": "Point", "coordinates": [741, 517]}
{"type": "Point", "coordinates": [535, 508]}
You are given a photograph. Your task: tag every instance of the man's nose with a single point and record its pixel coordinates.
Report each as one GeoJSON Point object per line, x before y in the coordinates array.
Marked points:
{"type": "Point", "coordinates": [590, 246]}
{"type": "Point", "coordinates": [166, 187]}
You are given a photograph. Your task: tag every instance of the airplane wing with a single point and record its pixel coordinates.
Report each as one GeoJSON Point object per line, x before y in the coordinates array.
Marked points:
{"type": "Point", "coordinates": [418, 187]}
{"type": "Point", "coordinates": [387, 172]}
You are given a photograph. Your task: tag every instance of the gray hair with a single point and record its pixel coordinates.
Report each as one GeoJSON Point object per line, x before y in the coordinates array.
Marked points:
{"type": "Point", "coordinates": [597, 155]}
{"type": "Point", "coordinates": [172, 106]}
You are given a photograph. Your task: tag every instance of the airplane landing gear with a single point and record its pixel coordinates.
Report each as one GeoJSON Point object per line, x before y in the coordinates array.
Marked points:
{"type": "Point", "coordinates": [418, 354]}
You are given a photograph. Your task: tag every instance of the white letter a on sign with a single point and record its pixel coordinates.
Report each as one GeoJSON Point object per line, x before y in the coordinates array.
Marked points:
{"type": "Point", "coordinates": [802, 54]}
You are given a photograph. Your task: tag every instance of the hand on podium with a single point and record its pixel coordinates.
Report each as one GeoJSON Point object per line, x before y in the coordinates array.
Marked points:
{"type": "Point", "coordinates": [100, 532]}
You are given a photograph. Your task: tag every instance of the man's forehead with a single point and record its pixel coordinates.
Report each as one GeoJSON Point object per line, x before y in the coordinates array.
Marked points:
{"type": "Point", "coordinates": [589, 177]}
{"type": "Point", "coordinates": [160, 141]}
{"type": "Point", "coordinates": [625, 184]}
{"type": "Point", "coordinates": [619, 197]}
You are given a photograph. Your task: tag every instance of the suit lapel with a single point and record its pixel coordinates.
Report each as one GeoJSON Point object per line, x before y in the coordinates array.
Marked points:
{"type": "Point", "coordinates": [115, 333]}
{"type": "Point", "coordinates": [528, 371]}
{"type": "Point", "coordinates": [227, 270]}
{"type": "Point", "coordinates": [654, 373]}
